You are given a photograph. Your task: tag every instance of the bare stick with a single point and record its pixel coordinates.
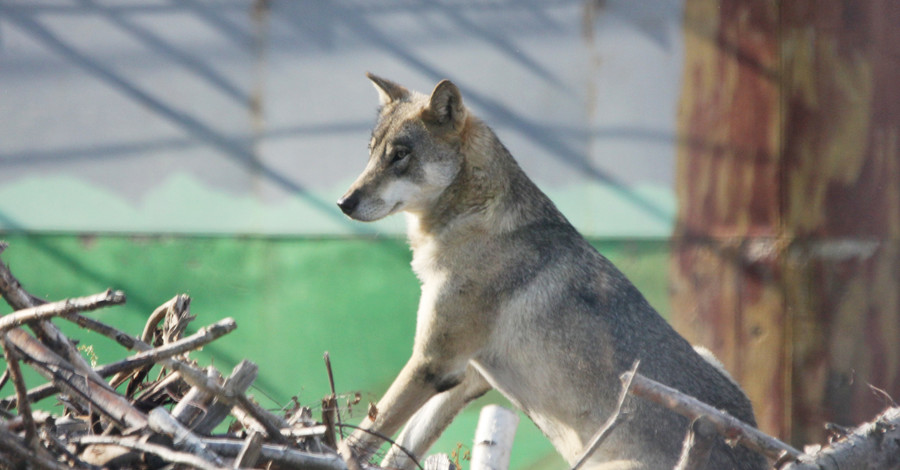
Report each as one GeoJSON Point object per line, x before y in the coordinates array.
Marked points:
{"type": "Point", "coordinates": [147, 357]}
{"type": "Point", "coordinates": [195, 402]}
{"type": "Point", "coordinates": [124, 339]}
{"type": "Point", "coordinates": [50, 334]}
{"type": "Point", "coordinates": [162, 452]}
{"type": "Point", "coordinates": [250, 451]}
{"type": "Point", "coordinates": [697, 446]}
{"type": "Point", "coordinates": [337, 412]}
{"type": "Point", "coordinates": [202, 337]}
{"type": "Point", "coordinates": [182, 438]}
{"type": "Point", "coordinates": [280, 454]}
{"type": "Point", "coordinates": [242, 376]}
{"type": "Point", "coordinates": [61, 308]}
{"type": "Point", "coordinates": [12, 364]}
{"type": "Point", "coordinates": [97, 393]}
{"type": "Point", "coordinates": [875, 444]}
{"type": "Point", "coordinates": [271, 423]}
{"type": "Point", "coordinates": [725, 424]}
{"type": "Point", "coordinates": [613, 421]}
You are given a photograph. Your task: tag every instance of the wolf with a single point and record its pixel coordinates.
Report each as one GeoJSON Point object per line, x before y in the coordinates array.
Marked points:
{"type": "Point", "coordinates": [514, 298]}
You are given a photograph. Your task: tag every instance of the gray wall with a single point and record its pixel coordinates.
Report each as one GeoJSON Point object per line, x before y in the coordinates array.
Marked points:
{"type": "Point", "coordinates": [236, 117]}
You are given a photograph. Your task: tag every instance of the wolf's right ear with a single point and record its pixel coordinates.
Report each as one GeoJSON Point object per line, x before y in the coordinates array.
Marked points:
{"type": "Point", "coordinates": [388, 91]}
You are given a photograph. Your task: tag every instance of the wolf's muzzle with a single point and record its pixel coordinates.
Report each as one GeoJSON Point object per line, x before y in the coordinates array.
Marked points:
{"type": "Point", "coordinates": [349, 203]}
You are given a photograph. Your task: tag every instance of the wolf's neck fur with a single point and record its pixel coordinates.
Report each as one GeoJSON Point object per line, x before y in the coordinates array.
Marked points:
{"type": "Point", "coordinates": [490, 195]}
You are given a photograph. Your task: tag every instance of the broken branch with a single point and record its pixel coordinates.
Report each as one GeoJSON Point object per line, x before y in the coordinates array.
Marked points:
{"type": "Point", "coordinates": [875, 444]}
{"type": "Point", "coordinates": [62, 308]}
{"type": "Point", "coordinates": [725, 424]}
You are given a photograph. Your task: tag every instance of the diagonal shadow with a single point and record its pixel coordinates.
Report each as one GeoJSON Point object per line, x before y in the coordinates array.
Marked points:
{"type": "Point", "coordinates": [154, 41]}
{"type": "Point", "coordinates": [498, 112]}
{"type": "Point", "coordinates": [214, 18]}
{"type": "Point", "coordinates": [503, 45]}
{"type": "Point", "coordinates": [117, 151]}
{"type": "Point", "coordinates": [235, 149]}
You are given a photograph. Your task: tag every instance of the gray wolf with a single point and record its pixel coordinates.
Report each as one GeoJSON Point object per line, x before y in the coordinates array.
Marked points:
{"type": "Point", "coordinates": [514, 298]}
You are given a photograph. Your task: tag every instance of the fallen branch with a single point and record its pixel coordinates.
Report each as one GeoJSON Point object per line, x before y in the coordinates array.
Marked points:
{"type": "Point", "coordinates": [11, 290]}
{"type": "Point", "coordinates": [12, 365]}
{"type": "Point", "coordinates": [242, 376]}
{"type": "Point", "coordinates": [148, 357]}
{"type": "Point", "coordinates": [160, 451]}
{"type": "Point", "coordinates": [62, 308]}
{"type": "Point", "coordinates": [101, 397]}
{"type": "Point", "coordinates": [182, 438]}
{"type": "Point", "coordinates": [281, 454]}
{"type": "Point", "coordinates": [875, 444]}
{"type": "Point", "coordinates": [270, 423]}
{"type": "Point", "coordinates": [725, 424]}
{"type": "Point", "coordinates": [131, 439]}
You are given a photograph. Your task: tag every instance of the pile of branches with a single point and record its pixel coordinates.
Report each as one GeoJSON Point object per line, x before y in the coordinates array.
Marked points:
{"type": "Point", "coordinates": [127, 415]}
{"type": "Point", "coordinates": [117, 416]}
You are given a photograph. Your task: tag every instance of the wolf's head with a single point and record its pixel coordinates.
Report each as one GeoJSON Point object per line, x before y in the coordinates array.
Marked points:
{"type": "Point", "coordinates": [414, 153]}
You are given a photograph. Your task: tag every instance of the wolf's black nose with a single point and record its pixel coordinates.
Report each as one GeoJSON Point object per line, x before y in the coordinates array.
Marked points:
{"type": "Point", "coordinates": [348, 203]}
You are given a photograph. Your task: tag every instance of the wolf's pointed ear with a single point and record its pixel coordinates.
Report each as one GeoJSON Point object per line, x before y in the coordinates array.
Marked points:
{"type": "Point", "coordinates": [388, 91]}
{"type": "Point", "coordinates": [445, 105]}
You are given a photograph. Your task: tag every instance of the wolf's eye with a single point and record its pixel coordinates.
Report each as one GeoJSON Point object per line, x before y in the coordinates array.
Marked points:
{"type": "Point", "coordinates": [399, 154]}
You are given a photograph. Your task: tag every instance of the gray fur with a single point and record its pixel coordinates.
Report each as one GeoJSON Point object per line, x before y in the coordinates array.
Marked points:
{"type": "Point", "coordinates": [514, 298]}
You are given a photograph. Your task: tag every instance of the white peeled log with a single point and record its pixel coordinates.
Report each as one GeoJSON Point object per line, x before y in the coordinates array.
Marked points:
{"type": "Point", "coordinates": [494, 438]}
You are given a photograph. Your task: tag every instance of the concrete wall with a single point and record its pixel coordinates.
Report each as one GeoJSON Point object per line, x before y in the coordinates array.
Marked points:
{"type": "Point", "coordinates": [253, 117]}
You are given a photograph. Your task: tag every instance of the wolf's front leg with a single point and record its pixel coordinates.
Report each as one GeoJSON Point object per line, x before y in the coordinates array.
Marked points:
{"type": "Point", "coordinates": [432, 419]}
{"type": "Point", "coordinates": [419, 380]}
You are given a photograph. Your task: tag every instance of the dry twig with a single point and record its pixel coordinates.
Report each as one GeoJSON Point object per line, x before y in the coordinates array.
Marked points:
{"type": "Point", "coordinates": [614, 419]}
{"type": "Point", "coordinates": [875, 444]}
{"type": "Point", "coordinates": [725, 424]}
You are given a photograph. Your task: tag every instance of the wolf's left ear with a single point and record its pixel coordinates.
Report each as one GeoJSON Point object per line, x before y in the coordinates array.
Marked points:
{"type": "Point", "coordinates": [445, 105]}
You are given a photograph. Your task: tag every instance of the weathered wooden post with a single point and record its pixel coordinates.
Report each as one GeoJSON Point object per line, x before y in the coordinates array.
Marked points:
{"type": "Point", "coordinates": [786, 256]}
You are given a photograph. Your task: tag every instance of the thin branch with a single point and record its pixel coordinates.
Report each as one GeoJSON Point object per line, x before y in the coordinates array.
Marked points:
{"type": "Point", "coordinates": [182, 438]}
{"type": "Point", "coordinates": [241, 378]}
{"type": "Point", "coordinates": [147, 357]}
{"type": "Point", "coordinates": [12, 364]}
{"type": "Point", "coordinates": [271, 423]}
{"type": "Point", "coordinates": [162, 452]}
{"type": "Point", "coordinates": [61, 308]}
{"type": "Point", "coordinates": [725, 424]}
{"type": "Point", "coordinates": [875, 444]}
{"type": "Point", "coordinates": [126, 340]}
{"type": "Point", "coordinates": [281, 454]}
{"type": "Point", "coordinates": [18, 298]}
{"type": "Point", "coordinates": [610, 424]}
{"type": "Point", "coordinates": [337, 413]}
{"type": "Point", "coordinates": [95, 392]}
